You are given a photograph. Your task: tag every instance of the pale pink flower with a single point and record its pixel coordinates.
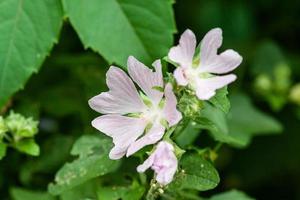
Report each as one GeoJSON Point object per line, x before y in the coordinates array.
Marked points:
{"type": "Point", "coordinates": [132, 119]}
{"type": "Point", "coordinates": [202, 76]}
{"type": "Point", "coordinates": [163, 161]}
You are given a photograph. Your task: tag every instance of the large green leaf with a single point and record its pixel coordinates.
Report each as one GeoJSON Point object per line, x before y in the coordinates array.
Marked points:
{"type": "Point", "coordinates": [28, 31]}
{"type": "Point", "coordinates": [231, 195]}
{"type": "Point", "coordinates": [119, 28]}
{"type": "Point", "coordinates": [93, 161]}
{"type": "Point", "coordinates": [242, 123]}
{"type": "Point", "coordinates": [197, 173]}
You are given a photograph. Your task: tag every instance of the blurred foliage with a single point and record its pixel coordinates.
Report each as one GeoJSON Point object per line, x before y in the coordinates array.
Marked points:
{"type": "Point", "coordinates": [264, 32]}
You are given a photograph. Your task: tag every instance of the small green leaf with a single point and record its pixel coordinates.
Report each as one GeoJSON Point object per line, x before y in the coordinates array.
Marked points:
{"type": "Point", "coordinates": [197, 173]}
{"type": "Point", "coordinates": [28, 146]}
{"type": "Point", "coordinates": [2, 150]}
{"type": "Point", "coordinates": [93, 161]}
{"type": "Point", "coordinates": [220, 100]}
{"type": "Point", "coordinates": [22, 194]}
{"type": "Point", "coordinates": [231, 195]}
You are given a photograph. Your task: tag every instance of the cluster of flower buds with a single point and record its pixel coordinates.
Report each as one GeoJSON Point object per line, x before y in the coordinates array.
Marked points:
{"type": "Point", "coordinates": [135, 118]}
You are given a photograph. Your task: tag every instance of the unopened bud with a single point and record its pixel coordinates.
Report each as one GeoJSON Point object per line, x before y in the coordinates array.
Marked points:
{"type": "Point", "coordinates": [295, 94]}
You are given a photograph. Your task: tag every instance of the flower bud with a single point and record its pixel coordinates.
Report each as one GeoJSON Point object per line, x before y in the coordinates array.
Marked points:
{"type": "Point", "coordinates": [21, 126]}
{"type": "Point", "coordinates": [295, 94]}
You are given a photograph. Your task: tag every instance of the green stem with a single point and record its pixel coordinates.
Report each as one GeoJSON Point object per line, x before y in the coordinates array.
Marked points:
{"type": "Point", "coordinates": [217, 147]}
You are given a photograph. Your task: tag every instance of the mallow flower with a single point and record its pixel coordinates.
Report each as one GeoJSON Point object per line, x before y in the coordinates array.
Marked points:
{"type": "Point", "coordinates": [163, 161]}
{"type": "Point", "coordinates": [135, 119]}
{"type": "Point", "coordinates": [203, 75]}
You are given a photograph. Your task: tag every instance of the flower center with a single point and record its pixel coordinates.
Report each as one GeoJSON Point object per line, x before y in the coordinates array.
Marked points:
{"type": "Point", "coordinates": [152, 114]}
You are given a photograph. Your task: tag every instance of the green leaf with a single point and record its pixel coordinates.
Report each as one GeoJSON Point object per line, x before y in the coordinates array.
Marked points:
{"type": "Point", "coordinates": [22, 194]}
{"type": "Point", "coordinates": [188, 134]}
{"type": "Point", "coordinates": [197, 173]}
{"type": "Point", "coordinates": [93, 161]}
{"type": "Point", "coordinates": [231, 195]}
{"type": "Point", "coordinates": [245, 118]}
{"type": "Point", "coordinates": [242, 123]}
{"type": "Point", "coordinates": [28, 146]}
{"type": "Point", "coordinates": [28, 31]}
{"type": "Point", "coordinates": [268, 55]}
{"type": "Point", "coordinates": [85, 191]}
{"type": "Point", "coordinates": [133, 192]}
{"type": "Point", "coordinates": [2, 150]}
{"type": "Point", "coordinates": [220, 100]}
{"type": "Point", "coordinates": [117, 29]}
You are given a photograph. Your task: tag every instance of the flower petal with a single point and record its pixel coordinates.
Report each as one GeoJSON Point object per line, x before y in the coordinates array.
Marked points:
{"type": "Point", "coordinates": [179, 76]}
{"type": "Point", "coordinates": [171, 114]}
{"type": "Point", "coordinates": [147, 164]}
{"type": "Point", "coordinates": [209, 46]}
{"type": "Point", "coordinates": [206, 88]}
{"type": "Point", "coordinates": [122, 98]}
{"type": "Point", "coordinates": [165, 176]}
{"type": "Point", "coordinates": [184, 52]}
{"type": "Point", "coordinates": [163, 161]}
{"type": "Point", "coordinates": [155, 133]}
{"type": "Point", "coordinates": [223, 63]}
{"type": "Point", "coordinates": [124, 131]}
{"type": "Point", "coordinates": [146, 78]}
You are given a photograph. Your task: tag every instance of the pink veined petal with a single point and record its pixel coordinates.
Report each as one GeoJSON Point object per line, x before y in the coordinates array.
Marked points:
{"type": "Point", "coordinates": [124, 131]}
{"type": "Point", "coordinates": [122, 98]}
{"type": "Point", "coordinates": [160, 150]}
{"type": "Point", "coordinates": [165, 176]}
{"type": "Point", "coordinates": [206, 88]}
{"type": "Point", "coordinates": [184, 52]}
{"type": "Point", "coordinates": [146, 78]}
{"type": "Point", "coordinates": [147, 164]}
{"type": "Point", "coordinates": [117, 153]}
{"type": "Point", "coordinates": [209, 46]}
{"type": "Point", "coordinates": [171, 114]}
{"type": "Point", "coordinates": [223, 63]}
{"type": "Point", "coordinates": [179, 76]}
{"type": "Point", "coordinates": [165, 163]}
{"type": "Point", "coordinates": [155, 133]}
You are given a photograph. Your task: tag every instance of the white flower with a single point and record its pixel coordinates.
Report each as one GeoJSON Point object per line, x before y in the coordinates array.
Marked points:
{"type": "Point", "coordinates": [163, 161]}
{"type": "Point", "coordinates": [202, 76]}
{"type": "Point", "coordinates": [131, 119]}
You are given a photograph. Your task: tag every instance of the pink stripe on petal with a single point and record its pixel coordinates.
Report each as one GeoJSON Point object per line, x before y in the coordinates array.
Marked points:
{"type": "Point", "coordinates": [163, 161]}
{"type": "Point", "coordinates": [117, 153]}
{"type": "Point", "coordinates": [146, 78]}
{"type": "Point", "coordinates": [124, 130]}
{"type": "Point", "coordinates": [179, 76]}
{"type": "Point", "coordinates": [209, 46]}
{"type": "Point", "coordinates": [152, 136]}
{"type": "Point", "coordinates": [122, 98]}
{"type": "Point", "coordinates": [147, 164]}
{"type": "Point", "coordinates": [171, 114]}
{"type": "Point", "coordinates": [223, 63]}
{"type": "Point", "coordinates": [206, 88]}
{"type": "Point", "coordinates": [184, 52]}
